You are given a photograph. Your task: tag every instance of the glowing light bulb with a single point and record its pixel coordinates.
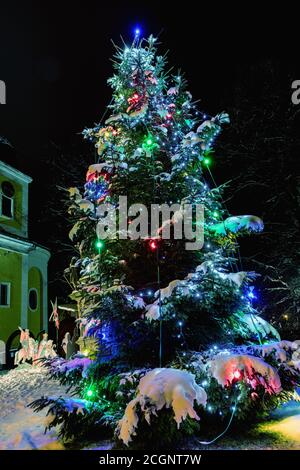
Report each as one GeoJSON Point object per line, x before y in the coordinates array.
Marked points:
{"type": "Point", "coordinates": [90, 393]}
{"type": "Point", "coordinates": [99, 244]}
{"type": "Point", "coordinates": [153, 245]}
{"type": "Point", "coordinates": [237, 374]}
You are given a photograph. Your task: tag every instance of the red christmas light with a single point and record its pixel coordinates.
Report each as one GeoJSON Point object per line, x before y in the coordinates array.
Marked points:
{"type": "Point", "coordinates": [133, 100]}
{"type": "Point", "coordinates": [237, 375]}
{"type": "Point", "coordinates": [153, 245]}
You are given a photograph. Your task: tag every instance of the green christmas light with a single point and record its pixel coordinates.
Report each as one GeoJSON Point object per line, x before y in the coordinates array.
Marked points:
{"type": "Point", "coordinates": [99, 244]}
{"type": "Point", "coordinates": [90, 393]}
{"type": "Point", "coordinates": [149, 142]}
{"type": "Point", "coordinates": [207, 161]}
{"type": "Point", "coordinates": [215, 214]}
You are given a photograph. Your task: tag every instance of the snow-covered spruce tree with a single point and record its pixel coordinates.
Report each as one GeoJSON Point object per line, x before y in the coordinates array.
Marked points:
{"type": "Point", "coordinates": [161, 326]}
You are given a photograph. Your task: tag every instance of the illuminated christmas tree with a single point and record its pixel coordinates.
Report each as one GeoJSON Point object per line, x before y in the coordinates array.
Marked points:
{"type": "Point", "coordinates": [162, 326]}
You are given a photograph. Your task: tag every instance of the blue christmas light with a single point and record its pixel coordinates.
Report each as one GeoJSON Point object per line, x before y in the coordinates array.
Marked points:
{"type": "Point", "coordinates": [137, 31]}
{"type": "Point", "coordinates": [251, 294]}
{"type": "Point", "coordinates": [96, 190]}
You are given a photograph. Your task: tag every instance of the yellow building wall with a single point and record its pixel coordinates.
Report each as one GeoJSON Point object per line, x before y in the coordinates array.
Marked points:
{"type": "Point", "coordinates": [35, 317]}
{"type": "Point", "coordinates": [16, 222]}
{"type": "Point", "coordinates": [11, 271]}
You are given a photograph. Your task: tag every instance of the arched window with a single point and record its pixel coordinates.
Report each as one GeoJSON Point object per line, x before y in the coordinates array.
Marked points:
{"type": "Point", "coordinates": [7, 194]}
{"type": "Point", "coordinates": [33, 299]}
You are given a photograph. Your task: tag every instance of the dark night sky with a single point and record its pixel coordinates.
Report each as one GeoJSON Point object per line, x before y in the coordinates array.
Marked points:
{"type": "Point", "coordinates": [55, 59]}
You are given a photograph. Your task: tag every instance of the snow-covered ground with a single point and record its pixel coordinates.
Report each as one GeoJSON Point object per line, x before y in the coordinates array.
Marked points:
{"type": "Point", "coordinates": [20, 427]}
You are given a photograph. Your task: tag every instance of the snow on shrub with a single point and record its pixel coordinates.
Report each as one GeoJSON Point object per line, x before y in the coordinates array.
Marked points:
{"type": "Point", "coordinates": [70, 405]}
{"type": "Point", "coordinates": [257, 324]}
{"type": "Point", "coordinates": [280, 349]}
{"type": "Point", "coordinates": [68, 366]}
{"type": "Point", "coordinates": [162, 388]}
{"type": "Point", "coordinates": [227, 368]}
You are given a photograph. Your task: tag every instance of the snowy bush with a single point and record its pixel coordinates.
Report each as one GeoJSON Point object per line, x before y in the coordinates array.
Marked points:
{"type": "Point", "coordinates": [226, 368]}
{"type": "Point", "coordinates": [159, 388]}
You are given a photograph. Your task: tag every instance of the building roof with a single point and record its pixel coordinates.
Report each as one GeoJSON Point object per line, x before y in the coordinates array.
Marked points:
{"type": "Point", "coordinates": [20, 243]}
{"type": "Point", "coordinates": [14, 173]}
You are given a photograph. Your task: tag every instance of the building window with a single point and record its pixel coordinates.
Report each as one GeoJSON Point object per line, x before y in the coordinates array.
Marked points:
{"type": "Point", "coordinates": [4, 294]}
{"type": "Point", "coordinates": [33, 299]}
{"type": "Point", "coordinates": [7, 194]}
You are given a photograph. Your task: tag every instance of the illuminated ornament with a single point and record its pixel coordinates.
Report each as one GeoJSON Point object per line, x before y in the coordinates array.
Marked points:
{"type": "Point", "coordinates": [104, 136]}
{"type": "Point", "coordinates": [138, 104]}
{"type": "Point", "coordinates": [96, 191]}
{"type": "Point", "coordinates": [133, 101]}
{"type": "Point", "coordinates": [97, 183]}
